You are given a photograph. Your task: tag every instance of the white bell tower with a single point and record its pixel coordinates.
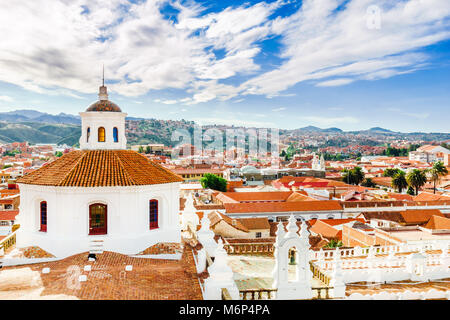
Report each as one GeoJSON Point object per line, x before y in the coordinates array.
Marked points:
{"type": "Point", "coordinates": [103, 124]}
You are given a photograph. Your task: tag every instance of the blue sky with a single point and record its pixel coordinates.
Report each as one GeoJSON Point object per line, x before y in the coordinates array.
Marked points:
{"type": "Point", "coordinates": [351, 64]}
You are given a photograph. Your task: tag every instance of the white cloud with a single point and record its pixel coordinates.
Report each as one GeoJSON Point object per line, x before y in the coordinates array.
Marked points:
{"type": "Point", "coordinates": [278, 109]}
{"type": "Point", "coordinates": [166, 101]}
{"type": "Point", "coordinates": [335, 83]}
{"type": "Point", "coordinates": [322, 42]}
{"type": "Point", "coordinates": [58, 47]}
{"type": "Point", "coordinates": [6, 99]}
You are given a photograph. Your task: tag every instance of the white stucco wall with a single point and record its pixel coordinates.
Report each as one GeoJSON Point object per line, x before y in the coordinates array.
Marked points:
{"type": "Point", "coordinates": [68, 217]}
{"type": "Point", "coordinates": [108, 120]}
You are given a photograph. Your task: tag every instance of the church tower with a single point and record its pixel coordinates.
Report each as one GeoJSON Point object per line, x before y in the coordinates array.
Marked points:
{"type": "Point", "coordinates": [103, 124]}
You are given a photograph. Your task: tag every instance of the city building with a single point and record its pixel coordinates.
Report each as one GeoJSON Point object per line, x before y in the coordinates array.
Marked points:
{"type": "Point", "coordinates": [102, 197]}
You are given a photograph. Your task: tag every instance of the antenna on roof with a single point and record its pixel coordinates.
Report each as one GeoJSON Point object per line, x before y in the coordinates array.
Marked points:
{"type": "Point", "coordinates": [103, 83]}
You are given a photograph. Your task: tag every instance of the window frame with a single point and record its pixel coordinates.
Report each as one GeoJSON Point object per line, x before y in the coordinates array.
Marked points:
{"type": "Point", "coordinates": [101, 129]}
{"type": "Point", "coordinates": [115, 135]}
{"type": "Point", "coordinates": [153, 222]}
{"type": "Point", "coordinates": [43, 226]}
{"type": "Point", "coordinates": [98, 231]}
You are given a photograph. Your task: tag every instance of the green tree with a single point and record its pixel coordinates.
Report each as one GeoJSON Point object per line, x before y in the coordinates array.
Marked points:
{"type": "Point", "coordinates": [334, 243]}
{"type": "Point", "coordinates": [353, 176]}
{"type": "Point", "coordinates": [436, 172]}
{"type": "Point", "coordinates": [368, 183]}
{"type": "Point", "coordinates": [148, 150]}
{"type": "Point", "coordinates": [214, 182]}
{"type": "Point", "coordinates": [141, 149]}
{"type": "Point", "coordinates": [58, 154]}
{"type": "Point", "coordinates": [410, 191]}
{"type": "Point", "coordinates": [391, 172]}
{"type": "Point", "coordinates": [399, 181]}
{"type": "Point", "coordinates": [416, 179]}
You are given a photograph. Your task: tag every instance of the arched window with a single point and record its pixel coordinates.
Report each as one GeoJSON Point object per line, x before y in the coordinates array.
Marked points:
{"type": "Point", "coordinates": [88, 134]}
{"type": "Point", "coordinates": [153, 214]}
{"type": "Point", "coordinates": [101, 134]}
{"type": "Point", "coordinates": [43, 216]}
{"type": "Point", "coordinates": [98, 214]}
{"type": "Point", "coordinates": [116, 135]}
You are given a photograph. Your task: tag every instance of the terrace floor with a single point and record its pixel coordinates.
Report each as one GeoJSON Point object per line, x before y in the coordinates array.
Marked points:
{"type": "Point", "coordinates": [149, 279]}
{"type": "Point", "coordinates": [255, 272]}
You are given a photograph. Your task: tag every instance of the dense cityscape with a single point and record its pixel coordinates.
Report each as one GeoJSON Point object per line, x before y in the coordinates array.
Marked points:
{"type": "Point", "coordinates": [205, 150]}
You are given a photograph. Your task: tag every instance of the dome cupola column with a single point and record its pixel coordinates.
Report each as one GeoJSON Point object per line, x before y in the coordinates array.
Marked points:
{"type": "Point", "coordinates": [103, 125]}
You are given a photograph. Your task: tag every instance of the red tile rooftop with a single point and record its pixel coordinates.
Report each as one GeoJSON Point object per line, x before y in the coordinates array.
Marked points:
{"type": "Point", "coordinates": [327, 205]}
{"type": "Point", "coordinates": [8, 215]}
{"type": "Point", "coordinates": [150, 279]}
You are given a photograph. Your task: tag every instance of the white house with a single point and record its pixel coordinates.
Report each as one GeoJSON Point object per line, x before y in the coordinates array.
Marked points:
{"type": "Point", "coordinates": [102, 196]}
{"type": "Point", "coordinates": [429, 153]}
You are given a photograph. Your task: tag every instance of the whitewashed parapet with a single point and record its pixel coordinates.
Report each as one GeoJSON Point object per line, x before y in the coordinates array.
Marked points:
{"type": "Point", "coordinates": [405, 295]}
{"type": "Point", "coordinates": [220, 276]}
{"type": "Point", "coordinates": [300, 287]}
{"type": "Point", "coordinates": [378, 250]}
{"type": "Point", "coordinates": [206, 237]}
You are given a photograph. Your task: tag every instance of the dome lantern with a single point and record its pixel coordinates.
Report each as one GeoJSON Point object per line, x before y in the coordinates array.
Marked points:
{"type": "Point", "coordinates": [103, 124]}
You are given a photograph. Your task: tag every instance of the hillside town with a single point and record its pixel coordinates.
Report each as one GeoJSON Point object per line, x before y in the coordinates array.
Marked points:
{"type": "Point", "coordinates": [220, 159]}
{"type": "Point", "coordinates": [300, 226]}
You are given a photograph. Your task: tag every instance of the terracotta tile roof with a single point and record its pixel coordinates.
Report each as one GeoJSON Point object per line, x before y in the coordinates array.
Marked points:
{"type": "Point", "coordinates": [150, 279]}
{"type": "Point", "coordinates": [215, 217]}
{"type": "Point", "coordinates": [253, 196]}
{"type": "Point", "coordinates": [394, 216]}
{"type": "Point", "coordinates": [100, 168]}
{"type": "Point", "coordinates": [255, 223]}
{"type": "Point", "coordinates": [438, 223]}
{"type": "Point", "coordinates": [419, 216]}
{"type": "Point", "coordinates": [427, 196]}
{"type": "Point", "coordinates": [382, 181]}
{"type": "Point", "coordinates": [326, 231]}
{"type": "Point", "coordinates": [401, 197]}
{"type": "Point", "coordinates": [196, 171]}
{"type": "Point", "coordinates": [8, 215]}
{"type": "Point", "coordinates": [299, 196]}
{"type": "Point", "coordinates": [336, 222]}
{"type": "Point", "coordinates": [330, 205]}
{"type": "Point", "coordinates": [408, 217]}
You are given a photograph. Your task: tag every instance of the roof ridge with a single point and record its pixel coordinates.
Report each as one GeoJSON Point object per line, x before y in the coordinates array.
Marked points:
{"type": "Point", "coordinates": [122, 166]}
{"type": "Point", "coordinates": [61, 182]}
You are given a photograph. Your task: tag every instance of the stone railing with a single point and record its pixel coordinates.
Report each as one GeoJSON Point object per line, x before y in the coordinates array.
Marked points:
{"type": "Point", "coordinates": [8, 242]}
{"type": "Point", "coordinates": [321, 293]}
{"type": "Point", "coordinates": [319, 274]}
{"type": "Point", "coordinates": [324, 254]}
{"type": "Point", "coordinates": [257, 294]}
{"type": "Point", "coordinates": [259, 248]}
{"type": "Point", "coordinates": [368, 263]}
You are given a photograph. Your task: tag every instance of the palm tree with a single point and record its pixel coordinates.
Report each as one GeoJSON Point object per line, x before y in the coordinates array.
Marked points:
{"type": "Point", "coordinates": [368, 183]}
{"type": "Point", "coordinates": [416, 178]}
{"type": "Point", "coordinates": [334, 243]}
{"type": "Point", "coordinates": [399, 181]}
{"type": "Point", "coordinates": [358, 175]}
{"type": "Point", "coordinates": [353, 176]}
{"type": "Point", "coordinates": [436, 172]}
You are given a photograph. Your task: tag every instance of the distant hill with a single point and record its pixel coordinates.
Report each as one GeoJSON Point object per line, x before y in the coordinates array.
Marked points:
{"type": "Point", "coordinates": [35, 132]}
{"type": "Point", "coordinates": [19, 116]}
{"type": "Point", "coordinates": [39, 127]}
